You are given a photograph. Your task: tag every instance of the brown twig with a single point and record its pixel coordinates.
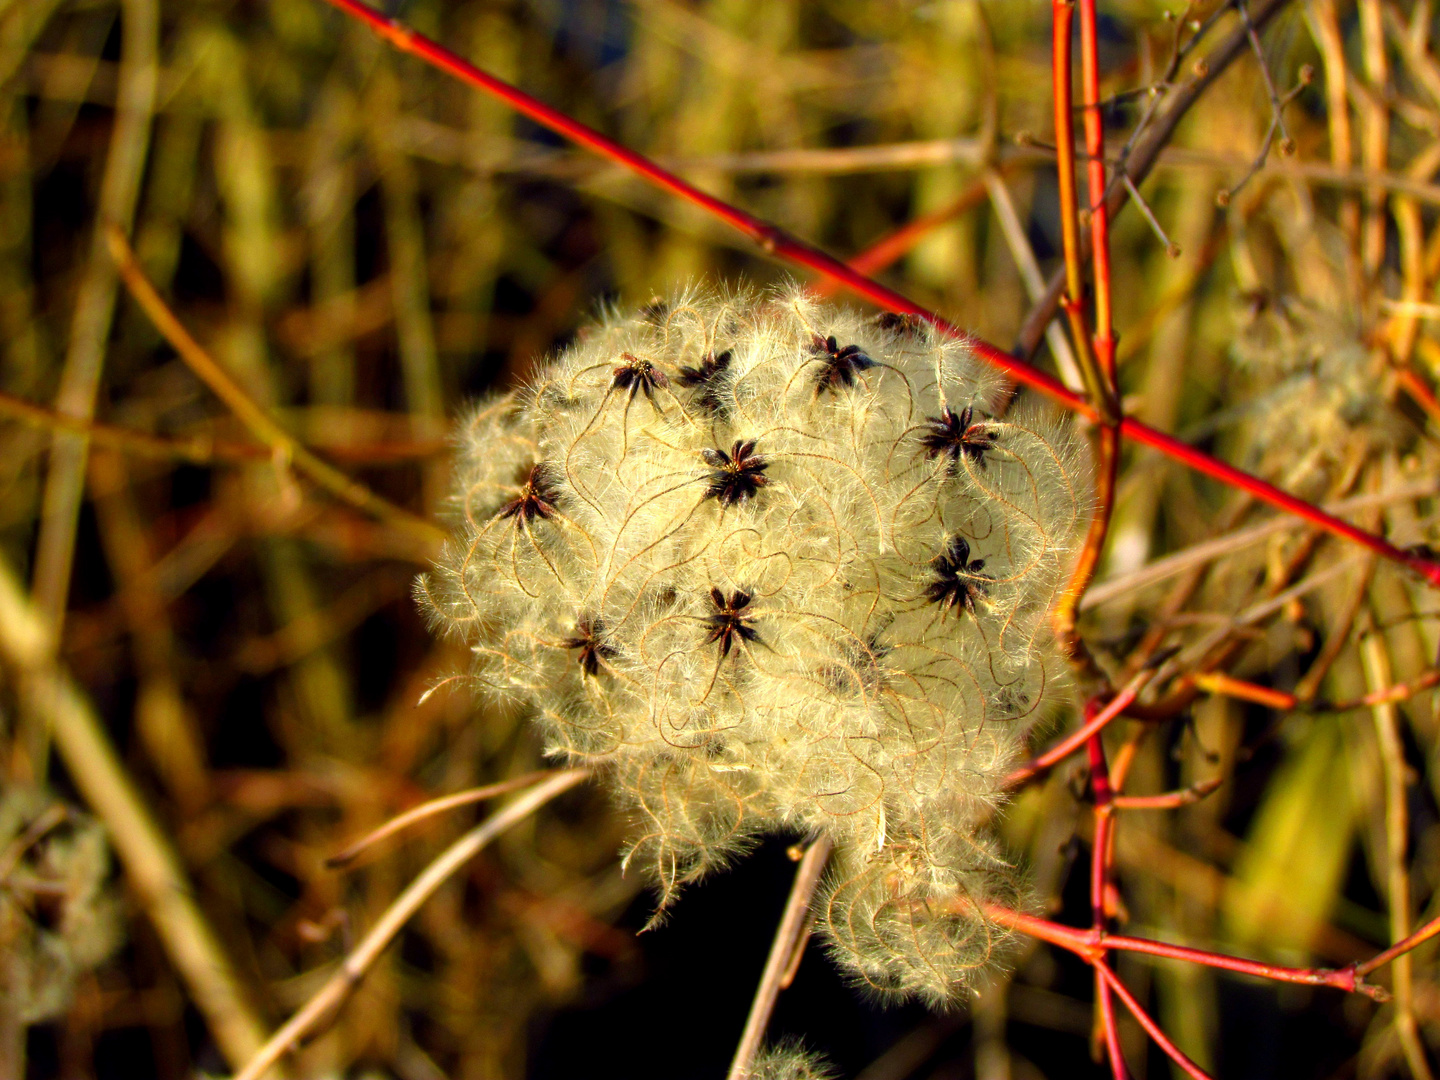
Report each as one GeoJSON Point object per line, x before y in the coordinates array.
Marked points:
{"type": "Point", "coordinates": [195, 449]}
{"type": "Point", "coordinates": [95, 306]}
{"type": "Point", "coordinates": [417, 814]}
{"type": "Point", "coordinates": [338, 987]}
{"type": "Point", "coordinates": [1170, 800]}
{"type": "Point", "coordinates": [285, 447]}
{"type": "Point", "coordinates": [1397, 828]}
{"type": "Point", "coordinates": [152, 868]}
{"type": "Point", "coordinates": [782, 954]}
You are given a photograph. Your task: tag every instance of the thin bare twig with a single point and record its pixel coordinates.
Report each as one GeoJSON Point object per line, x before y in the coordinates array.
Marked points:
{"type": "Point", "coordinates": [151, 866]}
{"type": "Point", "coordinates": [782, 953]}
{"type": "Point", "coordinates": [90, 329]}
{"type": "Point", "coordinates": [338, 987]}
{"type": "Point", "coordinates": [417, 814]}
{"type": "Point", "coordinates": [1397, 829]}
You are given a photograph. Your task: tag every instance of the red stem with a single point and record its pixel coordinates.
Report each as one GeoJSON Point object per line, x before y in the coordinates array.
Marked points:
{"type": "Point", "coordinates": [1173, 1052]}
{"type": "Point", "coordinates": [1104, 824]}
{"type": "Point", "coordinates": [885, 251]}
{"type": "Point", "coordinates": [775, 241]}
{"type": "Point", "coordinates": [1089, 946]}
{"type": "Point", "coordinates": [1400, 948]}
{"type": "Point", "coordinates": [1095, 174]}
{"type": "Point", "coordinates": [1099, 888]}
{"type": "Point", "coordinates": [1094, 723]}
{"type": "Point", "coordinates": [1108, 1027]}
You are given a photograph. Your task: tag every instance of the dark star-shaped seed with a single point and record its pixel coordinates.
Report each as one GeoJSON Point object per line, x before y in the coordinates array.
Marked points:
{"type": "Point", "coordinates": [737, 476]}
{"type": "Point", "coordinates": [958, 435]}
{"type": "Point", "coordinates": [730, 620]}
{"type": "Point", "coordinates": [537, 498]}
{"type": "Point", "coordinates": [958, 581]}
{"type": "Point", "coordinates": [589, 638]}
{"type": "Point", "coordinates": [706, 378]}
{"type": "Point", "coordinates": [838, 367]}
{"type": "Point", "coordinates": [636, 374]}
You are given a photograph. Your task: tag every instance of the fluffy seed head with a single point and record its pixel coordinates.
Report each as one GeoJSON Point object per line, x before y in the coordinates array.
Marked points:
{"type": "Point", "coordinates": [789, 1060]}
{"type": "Point", "coordinates": [773, 565]}
{"type": "Point", "coordinates": [57, 917]}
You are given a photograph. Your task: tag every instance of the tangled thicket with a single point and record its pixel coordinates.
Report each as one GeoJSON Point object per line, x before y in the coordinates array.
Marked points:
{"type": "Point", "coordinates": [777, 566]}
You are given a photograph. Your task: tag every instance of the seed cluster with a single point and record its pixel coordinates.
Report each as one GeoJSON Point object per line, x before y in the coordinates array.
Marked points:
{"type": "Point", "coordinates": [772, 565]}
{"type": "Point", "coordinates": [59, 917]}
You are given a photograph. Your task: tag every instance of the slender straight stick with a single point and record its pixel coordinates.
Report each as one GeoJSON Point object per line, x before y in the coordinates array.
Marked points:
{"type": "Point", "coordinates": [782, 951]}
{"type": "Point", "coordinates": [441, 805]}
{"type": "Point", "coordinates": [94, 310]}
{"type": "Point", "coordinates": [1397, 831]}
{"type": "Point", "coordinates": [339, 985]}
{"type": "Point", "coordinates": [775, 241]}
{"type": "Point", "coordinates": [153, 869]}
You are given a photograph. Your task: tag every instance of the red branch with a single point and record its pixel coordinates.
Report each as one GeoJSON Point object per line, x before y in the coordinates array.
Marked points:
{"type": "Point", "coordinates": [1089, 946]}
{"type": "Point", "coordinates": [1173, 1052]}
{"type": "Point", "coordinates": [777, 242]}
{"type": "Point", "coordinates": [1100, 896]}
{"type": "Point", "coordinates": [1095, 722]}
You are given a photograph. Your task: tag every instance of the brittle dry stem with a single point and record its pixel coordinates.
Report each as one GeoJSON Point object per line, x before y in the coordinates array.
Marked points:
{"type": "Point", "coordinates": [429, 809]}
{"type": "Point", "coordinates": [284, 446]}
{"type": "Point", "coordinates": [95, 304]}
{"type": "Point", "coordinates": [1375, 132]}
{"type": "Point", "coordinates": [338, 987]}
{"type": "Point", "coordinates": [1397, 827]}
{"type": "Point", "coordinates": [776, 242]}
{"type": "Point", "coordinates": [152, 868]}
{"type": "Point", "coordinates": [197, 450]}
{"type": "Point", "coordinates": [90, 329]}
{"type": "Point", "coordinates": [1024, 255]}
{"type": "Point", "coordinates": [788, 936]}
